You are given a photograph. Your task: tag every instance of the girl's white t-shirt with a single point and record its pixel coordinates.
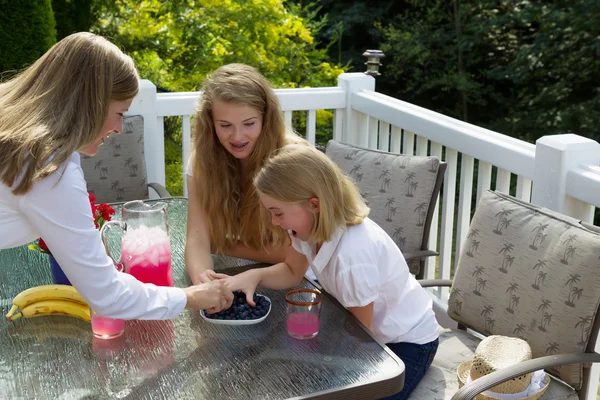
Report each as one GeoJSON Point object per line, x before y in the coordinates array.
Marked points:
{"type": "Point", "coordinates": [57, 209]}
{"type": "Point", "coordinates": [360, 265]}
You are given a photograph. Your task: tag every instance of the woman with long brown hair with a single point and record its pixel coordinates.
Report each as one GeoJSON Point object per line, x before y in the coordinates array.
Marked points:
{"type": "Point", "coordinates": [69, 102]}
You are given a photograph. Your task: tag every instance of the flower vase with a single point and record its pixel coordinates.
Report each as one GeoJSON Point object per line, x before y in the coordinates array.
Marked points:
{"type": "Point", "coordinates": [58, 276]}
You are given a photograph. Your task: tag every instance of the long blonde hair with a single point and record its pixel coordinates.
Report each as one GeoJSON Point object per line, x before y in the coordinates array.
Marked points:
{"type": "Point", "coordinates": [224, 188]}
{"type": "Point", "coordinates": [298, 173]}
{"type": "Point", "coordinates": [59, 105]}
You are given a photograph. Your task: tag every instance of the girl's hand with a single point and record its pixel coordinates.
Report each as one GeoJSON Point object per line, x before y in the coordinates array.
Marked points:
{"type": "Point", "coordinates": [246, 282]}
{"type": "Point", "coordinates": [205, 277]}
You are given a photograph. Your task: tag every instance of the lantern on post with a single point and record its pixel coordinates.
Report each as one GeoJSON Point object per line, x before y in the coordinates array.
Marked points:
{"type": "Point", "coordinates": [373, 63]}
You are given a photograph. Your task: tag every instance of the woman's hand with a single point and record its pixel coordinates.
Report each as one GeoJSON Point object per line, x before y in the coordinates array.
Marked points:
{"type": "Point", "coordinates": [212, 295]}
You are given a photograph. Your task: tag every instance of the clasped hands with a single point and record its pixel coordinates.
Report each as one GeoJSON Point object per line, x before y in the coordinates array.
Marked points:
{"type": "Point", "coordinates": [245, 281]}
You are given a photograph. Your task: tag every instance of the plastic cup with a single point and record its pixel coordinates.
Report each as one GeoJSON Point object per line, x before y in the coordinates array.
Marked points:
{"type": "Point", "coordinates": [303, 313]}
{"type": "Point", "coordinates": [106, 328]}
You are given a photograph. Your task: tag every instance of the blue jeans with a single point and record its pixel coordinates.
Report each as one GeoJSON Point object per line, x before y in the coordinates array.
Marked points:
{"type": "Point", "coordinates": [417, 359]}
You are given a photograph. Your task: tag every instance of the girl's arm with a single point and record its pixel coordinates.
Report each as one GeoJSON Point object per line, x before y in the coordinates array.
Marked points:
{"type": "Point", "coordinates": [364, 314]}
{"type": "Point", "coordinates": [198, 259]}
{"type": "Point", "coordinates": [279, 276]}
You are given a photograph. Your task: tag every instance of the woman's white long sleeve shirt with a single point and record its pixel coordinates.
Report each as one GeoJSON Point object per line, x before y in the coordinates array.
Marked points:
{"type": "Point", "coordinates": [58, 210]}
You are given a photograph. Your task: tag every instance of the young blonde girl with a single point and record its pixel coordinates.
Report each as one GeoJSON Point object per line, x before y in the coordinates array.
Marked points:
{"type": "Point", "coordinates": [305, 193]}
{"type": "Point", "coordinates": [238, 124]}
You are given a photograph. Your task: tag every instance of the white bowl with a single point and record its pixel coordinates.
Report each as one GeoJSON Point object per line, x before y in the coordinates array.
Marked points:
{"type": "Point", "coordinates": [238, 321]}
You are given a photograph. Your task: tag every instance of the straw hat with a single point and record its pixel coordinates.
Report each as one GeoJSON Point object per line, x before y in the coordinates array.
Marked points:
{"type": "Point", "coordinates": [495, 353]}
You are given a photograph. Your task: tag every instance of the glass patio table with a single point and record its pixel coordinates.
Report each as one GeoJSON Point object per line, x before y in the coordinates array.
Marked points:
{"type": "Point", "coordinates": [56, 357]}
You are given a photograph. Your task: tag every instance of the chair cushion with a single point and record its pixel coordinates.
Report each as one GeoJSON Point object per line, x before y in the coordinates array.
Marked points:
{"type": "Point", "coordinates": [440, 382]}
{"type": "Point", "coordinates": [397, 188]}
{"type": "Point", "coordinates": [530, 272]}
{"type": "Point", "coordinates": [118, 171]}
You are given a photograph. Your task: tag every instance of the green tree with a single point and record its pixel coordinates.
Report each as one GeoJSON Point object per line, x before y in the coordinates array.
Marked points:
{"type": "Point", "coordinates": [176, 44]}
{"type": "Point", "coordinates": [26, 32]}
{"type": "Point", "coordinates": [72, 16]}
{"type": "Point", "coordinates": [524, 68]}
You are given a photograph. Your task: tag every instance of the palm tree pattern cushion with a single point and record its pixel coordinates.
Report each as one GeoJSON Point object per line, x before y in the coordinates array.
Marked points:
{"type": "Point", "coordinates": [441, 382]}
{"type": "Point", "coordinates": [118, 171]}
{"type": "Point", "coordinates": [530, 272]}
{"type": "Point", "coordinates": [397, 189]}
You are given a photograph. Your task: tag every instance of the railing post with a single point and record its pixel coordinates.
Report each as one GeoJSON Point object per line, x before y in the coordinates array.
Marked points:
{"type": "Point", "coordinates": [554, 156]}
{"type": "Point", "coordinates": [353, 83]}
{"type": "Point", "coordinates": [144, 104]}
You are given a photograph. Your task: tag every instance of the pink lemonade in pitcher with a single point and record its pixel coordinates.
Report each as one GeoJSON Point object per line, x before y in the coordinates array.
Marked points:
{"type": "Point", "coordinates": [146, 253]}
{"type": "Point", "coordinates": [303, 325]}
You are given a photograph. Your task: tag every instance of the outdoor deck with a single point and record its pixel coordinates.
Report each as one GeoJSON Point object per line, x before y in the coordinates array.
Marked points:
{"type": "Point", "coordinates": [560, 172]}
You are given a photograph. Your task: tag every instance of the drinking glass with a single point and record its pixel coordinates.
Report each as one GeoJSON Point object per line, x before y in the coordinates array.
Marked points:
{"type": "Point", "coordinates": [106, 328]}
{"type": "Point", "coordinates": [303, 313]}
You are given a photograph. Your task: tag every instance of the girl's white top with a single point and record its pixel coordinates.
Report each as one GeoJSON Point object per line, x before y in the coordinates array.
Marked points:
{"type": "Point", "coordinates": [360, 265]}
{"type": "Point", "coordinates": [58, 210]}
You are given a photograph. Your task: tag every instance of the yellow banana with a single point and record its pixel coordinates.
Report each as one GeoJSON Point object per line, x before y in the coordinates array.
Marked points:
{"type": "Point", "coordinates": [45, 292]}
{"type": "Point", "coordinates": [54, 307]}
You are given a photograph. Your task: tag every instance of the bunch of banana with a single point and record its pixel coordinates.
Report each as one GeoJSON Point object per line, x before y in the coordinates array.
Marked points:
{"type": "Point", "coordinates": [49, 300]}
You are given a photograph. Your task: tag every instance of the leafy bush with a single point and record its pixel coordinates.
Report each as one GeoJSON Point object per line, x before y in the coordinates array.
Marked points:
{"type": "Point", "coordinates": [26, 32]}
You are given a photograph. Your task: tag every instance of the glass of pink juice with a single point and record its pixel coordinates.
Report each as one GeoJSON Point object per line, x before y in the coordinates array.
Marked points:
{"type": "Point", "coordinates": [303, 312]}
{"type": "Point", "coordinates": [146, 254]}
{"type": "Point", "coordinates": [106, 328]}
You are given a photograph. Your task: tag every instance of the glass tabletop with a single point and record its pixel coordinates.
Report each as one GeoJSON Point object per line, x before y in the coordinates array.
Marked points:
{"type": "Point", "coordinates": [186, 358]}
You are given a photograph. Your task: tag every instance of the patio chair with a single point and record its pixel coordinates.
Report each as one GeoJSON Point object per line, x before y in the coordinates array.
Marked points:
{"type": "Point", "coordinates": [524, 272]}
{"type": "Point", "coordinates": [118, 171]}
{"type": "Point", "coordinates": [401, 192]}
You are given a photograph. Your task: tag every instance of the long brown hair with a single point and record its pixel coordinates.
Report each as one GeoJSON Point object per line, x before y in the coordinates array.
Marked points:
{"type": "Point", "coordinates": [59, 105]}
{"type": "Point", "coordinates": [225, 189]}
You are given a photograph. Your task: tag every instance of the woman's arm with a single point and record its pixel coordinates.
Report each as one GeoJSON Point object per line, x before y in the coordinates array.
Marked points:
{"type": "Point", "coordinates": [59, 210]}
{"type": "Point", "coordinates": [364, 315]}
{"type": "Point", "coordinates": [198, 259]}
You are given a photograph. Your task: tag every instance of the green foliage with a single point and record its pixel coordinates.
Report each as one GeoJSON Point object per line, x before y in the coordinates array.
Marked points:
{"type": "Point", "coordinates": [351, 27]}
{"type": "Point", "coordinates": [26, 32]}
{"type": "Point", "coordinates": [523, 68]}
{"type": "Point", "coordinates": [176, 44]}
{"type": "Point", "coordinates": [72, 16]}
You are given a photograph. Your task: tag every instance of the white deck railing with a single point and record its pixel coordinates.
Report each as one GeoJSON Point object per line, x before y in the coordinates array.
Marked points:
{"type": "Point", "coordinates": [561, 172]}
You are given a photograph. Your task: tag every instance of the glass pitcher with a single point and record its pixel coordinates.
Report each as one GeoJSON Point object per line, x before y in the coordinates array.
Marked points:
{"type": "Point", "coordinates": [145, 246]}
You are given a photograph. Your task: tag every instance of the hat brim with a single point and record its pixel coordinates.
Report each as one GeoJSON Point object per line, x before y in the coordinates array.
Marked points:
{"type": "Point", "coordinates": [464, 369]}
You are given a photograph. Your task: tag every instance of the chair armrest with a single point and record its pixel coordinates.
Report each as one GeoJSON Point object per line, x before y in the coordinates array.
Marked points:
{"type": "Point", "coordinates": [484, 383]}
{"type": "Point", "coordinates": [159, 189]}
{"type": "Point", "coordinates": [435, 282]}
{"type": "Point", "coordinates": [412, 255]}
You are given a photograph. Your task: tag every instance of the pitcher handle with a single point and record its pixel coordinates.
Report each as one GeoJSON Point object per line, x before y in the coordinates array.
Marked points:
{"type": "Point", "coordinates": [104, 234]}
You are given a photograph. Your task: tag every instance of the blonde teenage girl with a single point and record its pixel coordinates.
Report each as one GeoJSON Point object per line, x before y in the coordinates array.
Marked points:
{"type": "Point", "coordinates": [237, 126]}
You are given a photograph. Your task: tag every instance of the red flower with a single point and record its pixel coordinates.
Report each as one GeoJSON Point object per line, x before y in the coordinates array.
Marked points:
{"type": "Point", "coordinates": [43, 245]}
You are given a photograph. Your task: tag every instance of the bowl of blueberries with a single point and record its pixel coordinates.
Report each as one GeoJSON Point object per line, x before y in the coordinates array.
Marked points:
{"type": "Point", "coordinates": [240, 312]}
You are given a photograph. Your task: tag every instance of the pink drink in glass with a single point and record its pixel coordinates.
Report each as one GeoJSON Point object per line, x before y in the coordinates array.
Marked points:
{"type": "Point", "coordinates": [303, 325]}
{"type": "Point", "coordinates": [107, 328]}
{"type": "Point", "coordinates": [146, 253]}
